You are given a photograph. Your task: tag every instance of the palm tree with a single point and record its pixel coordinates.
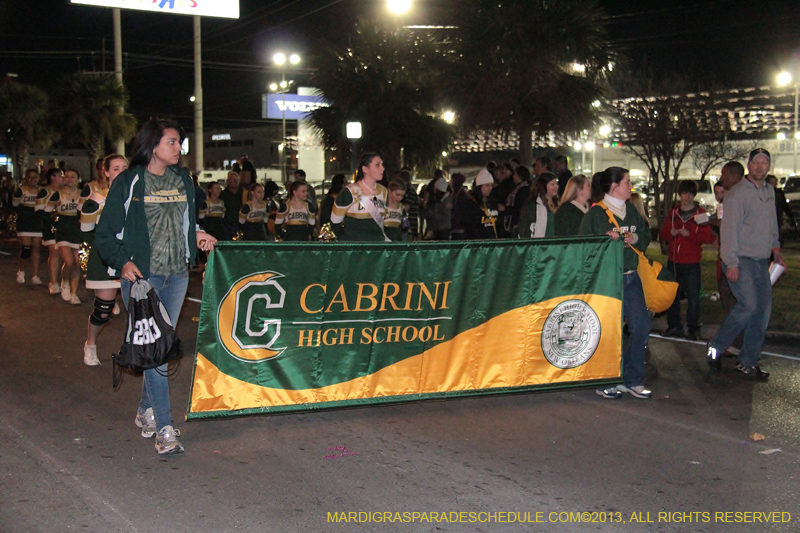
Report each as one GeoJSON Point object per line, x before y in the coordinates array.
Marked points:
{"type": "Point", "coordinates": [530, 66]}
{"type": "Point", "coordinates": [386, 79]}
{"type": "Point", "coordinates": [23, 122]}
{"type": "Point", "coordinates": [88, 109]}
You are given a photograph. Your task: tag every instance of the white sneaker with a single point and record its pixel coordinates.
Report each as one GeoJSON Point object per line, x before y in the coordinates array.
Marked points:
{"type": "Point", "coordinates": [90, 355]}
{"type": "Point", "coordinates": [637, 392]}
{"type": "Point", "coordinates": [20, 276]}
{"type": "Point", "coordinates": [74, 300]}
{"type": "Point", "coordinates": [54, 288]}
{"type": "Point", "coordinates": [167, 442]}
{"type": "Point", "coordinates": [116, 309]}
{"type": "Point", "coordinates": [36, 280]}
{"type": "Point", "coordinates": [147, 422]}
{"type": "Point", "coordinates": [65, 295]}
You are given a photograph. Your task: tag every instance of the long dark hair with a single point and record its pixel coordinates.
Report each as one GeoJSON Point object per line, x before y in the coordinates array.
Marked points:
{"type": "Point", "coordinates": [540, 188]}
{"type": "Point", "coordinates": [364, 161]}
{"type": "Point", "coordinates": [337, 183]}
{"type": "Point", "coordinates": [149, 137]}
{"type": "Point", "coordinates": [48, 176]}
{"type": "Point", "coordinates": [609, 176]}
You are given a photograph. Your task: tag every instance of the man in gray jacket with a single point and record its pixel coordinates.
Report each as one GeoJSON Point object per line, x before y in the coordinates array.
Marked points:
{"type": "Point", "coordinates": [749, 236]}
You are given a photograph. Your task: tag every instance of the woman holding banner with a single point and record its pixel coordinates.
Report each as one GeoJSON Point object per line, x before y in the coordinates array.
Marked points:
{"type": "Point", "coordinates": [148, 231]}
{"type": "Point", "coordinates": [360, 208]}
{"type": "Point", "coordinates": [614, 217]}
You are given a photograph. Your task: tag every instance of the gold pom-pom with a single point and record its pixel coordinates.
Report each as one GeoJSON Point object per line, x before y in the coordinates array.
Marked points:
{"type": "Point", "coordinates": [12, 222]}
{"type": "Point", "coordinates": [278, 237]}
{"type": "Point", "coordinates": [83, 255]}
{"type": "Point", "coordinates": [238, 236]}
{"type": "Point", "coordinates": [326, 234]}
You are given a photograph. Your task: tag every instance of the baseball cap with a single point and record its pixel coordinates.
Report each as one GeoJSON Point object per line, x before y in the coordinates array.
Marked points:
{"type": "Point", "coordinates": [759, 151]}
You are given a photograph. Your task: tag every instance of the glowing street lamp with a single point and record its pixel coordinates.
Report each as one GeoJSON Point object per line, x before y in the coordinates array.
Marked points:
{"type": "Point", "coordinates": [398, 7]}
{"type": "Point", "coordinates": [353, 131]}
{"type": "Point", "coordinates": [280, 60]}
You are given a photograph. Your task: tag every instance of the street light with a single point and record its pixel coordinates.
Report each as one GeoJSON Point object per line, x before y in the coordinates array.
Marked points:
{"type": "Point", "coordinates": [353, 131]}
{"type": "Point", "coordinates": [784, 79]}
{"type": "Point", "coordinates": [280, 60]}
{"type": "Point", "coordinates": [398, 7]}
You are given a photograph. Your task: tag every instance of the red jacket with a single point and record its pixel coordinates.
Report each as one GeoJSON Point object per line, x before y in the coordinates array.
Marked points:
{"type": "Point", "coordinates": [688, 249]}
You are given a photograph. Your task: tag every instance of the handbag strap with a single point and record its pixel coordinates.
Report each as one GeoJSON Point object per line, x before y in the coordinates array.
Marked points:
{"type": "Point", "coordinates": [372, 209]}
{"type": "Point", "coordinates": [613, 220]}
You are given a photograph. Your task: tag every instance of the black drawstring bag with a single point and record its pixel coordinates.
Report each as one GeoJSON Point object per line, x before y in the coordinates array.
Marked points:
{"type": "Point", "coordinates": [150, 340]}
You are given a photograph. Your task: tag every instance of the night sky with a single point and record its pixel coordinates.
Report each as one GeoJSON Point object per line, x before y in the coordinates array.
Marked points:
{"type": "Point", "coordinates": [720, 43]}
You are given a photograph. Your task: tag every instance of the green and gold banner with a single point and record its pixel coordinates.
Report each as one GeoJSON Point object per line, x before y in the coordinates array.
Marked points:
{"type": "Point", "coordinates": [297, 327]}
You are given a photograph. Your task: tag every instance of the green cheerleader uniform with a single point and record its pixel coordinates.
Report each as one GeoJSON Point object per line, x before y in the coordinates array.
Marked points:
{"type": "Point", "coordinates": [254, 222]}
{"type": "Point", "coordinates": [393, 223]}
{"type": "Point", "coordinates": [296, 225]}
{"type": "Point", "coordinates": [568, 220]}
{"type": "Point", "coordinates": [93, 187]}
{"type": "Point", "coordinates": [48, 231]}
{"type": "Point", "coordinates": [350, 220]}
{"type": "Point", "coordinates": [68, 224]}
{"type": "Point", "coordinates": [212, 218]}
{"type": "Point", "coordinates": [97, 276]}
{"type": "Point", "coordinates": [29, 224]}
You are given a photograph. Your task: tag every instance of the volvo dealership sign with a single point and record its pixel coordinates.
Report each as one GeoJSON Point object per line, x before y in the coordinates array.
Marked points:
{"type": "Point", "coordinates": [203, 8]}
{"type": "Point", "coordinates": [290, 106]}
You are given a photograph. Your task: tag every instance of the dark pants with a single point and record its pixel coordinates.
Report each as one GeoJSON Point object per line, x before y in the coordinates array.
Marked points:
{"type": "Point", "coordinates": [634, 311]}
{"type": "Point", "coordinates": [728, 301]}
{"type": "Point", "coordinates": [688, 276]}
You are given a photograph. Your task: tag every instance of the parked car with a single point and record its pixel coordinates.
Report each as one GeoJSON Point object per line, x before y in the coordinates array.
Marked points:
{"type": "Point", "coordinates": [792, 191]}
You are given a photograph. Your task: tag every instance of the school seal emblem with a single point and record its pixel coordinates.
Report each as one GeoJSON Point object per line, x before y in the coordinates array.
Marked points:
{"type": "Point", "coordinates": [570, 334]}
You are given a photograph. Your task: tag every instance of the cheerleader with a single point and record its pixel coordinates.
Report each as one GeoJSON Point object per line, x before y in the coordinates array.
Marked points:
{"type": "Point", "coordinates": [296, 217]}
{"type": "Point", "coordinates": [212, 213]}
{"type": "Point", "coordinates": [253, 215]}
{"type": "Point", "coordinates": [55, 180]}
{"type": "Point", "coordinates": [64, 203]}
{"type": "Point", "coordinates": [99, 186]}
{"type": "Point", "coordinates": [395, 214]}
{"type": "Point", "coordinates": [97, 278]}
{"type": "Point", "coordinates": [360, 208]}
{"type": "Point", "coordinates": [29, 226]}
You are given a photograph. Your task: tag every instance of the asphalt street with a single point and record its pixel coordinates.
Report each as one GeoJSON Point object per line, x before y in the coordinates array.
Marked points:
{"type": "Point", "coordinates": [71, 458]}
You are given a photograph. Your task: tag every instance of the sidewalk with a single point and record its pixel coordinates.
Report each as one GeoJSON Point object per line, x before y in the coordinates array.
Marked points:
{"type": "Point", "coordinates": [785, 342]}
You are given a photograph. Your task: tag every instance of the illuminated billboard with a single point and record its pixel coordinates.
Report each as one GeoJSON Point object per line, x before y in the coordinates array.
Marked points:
{"type": "Point", "coordinates": [290, 106]}
{"type": "Point", "coordinates": [203, 8]}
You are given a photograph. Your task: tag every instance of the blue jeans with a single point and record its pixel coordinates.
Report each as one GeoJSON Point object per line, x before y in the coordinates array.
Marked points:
{"type": "Point", "coordinates": [634, 310]}
{"type": "Point", "coordinates": [753, 293]}
{"type": "Point", "coordinates": [688, 276]}
{"type": "Point", "coordinates": [171, 290]}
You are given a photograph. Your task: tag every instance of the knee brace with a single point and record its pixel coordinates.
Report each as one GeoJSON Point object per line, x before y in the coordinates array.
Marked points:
{"type": "Point", "coordinates": [25, 252]}
{"type": "Point", "coordinates": [102, 312]}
